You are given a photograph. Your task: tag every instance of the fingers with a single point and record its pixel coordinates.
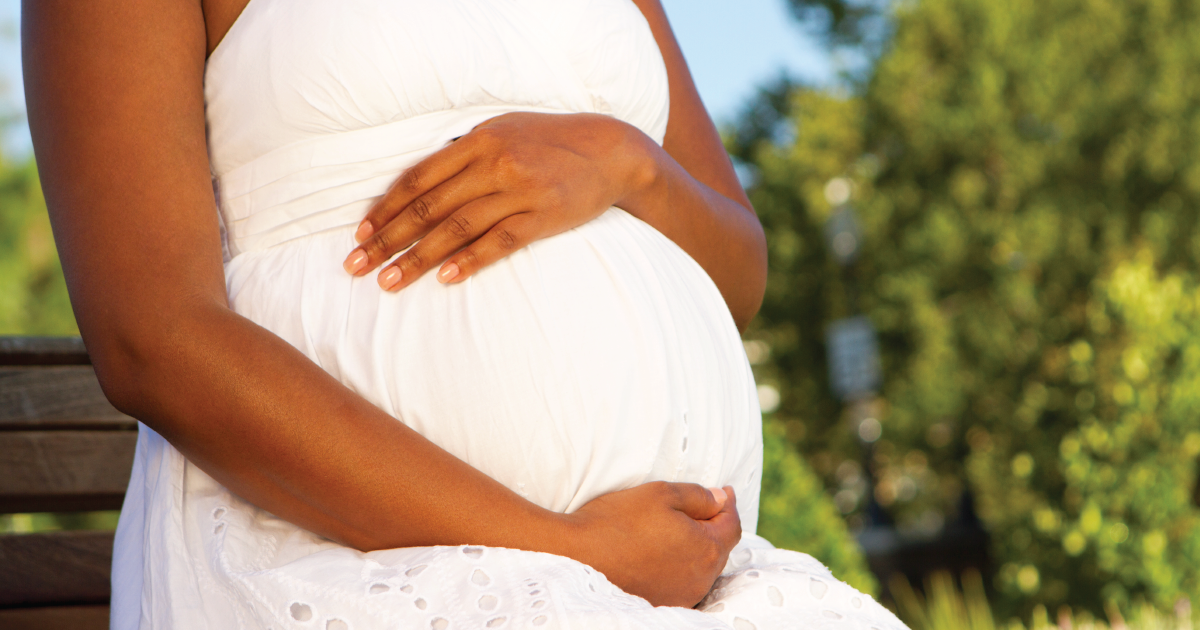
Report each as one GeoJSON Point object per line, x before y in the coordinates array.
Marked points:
{"type": "Point", "coordinates": [697, 502]}
{"type": "Point", "coordinates": [419, 218]}
{"type": "Point", "coordinates": [413, 184]}
{"type": "Point", "coordinates": [714, 508]}
{"type": "Point", "coordinates": [503, 239]}
{"type": "Point", "coordinates": [480, 229]}
{"type": "Point", "coordinates": [726, 526]}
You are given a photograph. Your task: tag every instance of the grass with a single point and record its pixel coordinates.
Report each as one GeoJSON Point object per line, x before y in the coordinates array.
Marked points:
{"type": "Point", "coordinates": [946, 606]}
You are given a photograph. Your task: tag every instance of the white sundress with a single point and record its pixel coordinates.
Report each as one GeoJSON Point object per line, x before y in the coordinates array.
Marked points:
{"type": "Point", "coordinates": [592, 361]}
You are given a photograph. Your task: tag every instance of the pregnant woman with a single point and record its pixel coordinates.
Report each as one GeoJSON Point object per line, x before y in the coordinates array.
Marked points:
{"type": "Point", "coordinates": [461, 349]}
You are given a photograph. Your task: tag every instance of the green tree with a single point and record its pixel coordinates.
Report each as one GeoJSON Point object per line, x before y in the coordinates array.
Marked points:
{"type": "Point", "coordinates": [33, 294]}
{"type": "Point", "coordinates": [1009, 161]}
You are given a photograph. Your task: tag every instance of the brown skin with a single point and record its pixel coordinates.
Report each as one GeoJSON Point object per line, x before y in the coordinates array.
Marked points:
{"type": "Point", "coordinates": [115, 101]}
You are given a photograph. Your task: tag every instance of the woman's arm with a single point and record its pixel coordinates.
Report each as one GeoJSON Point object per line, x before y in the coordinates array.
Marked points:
{"type": "Point", "coordinates": [521, 177]}
{"type": "Point", "coordinates": [114, 94]}
{"type": "Point", "coordinates": [697, 200]}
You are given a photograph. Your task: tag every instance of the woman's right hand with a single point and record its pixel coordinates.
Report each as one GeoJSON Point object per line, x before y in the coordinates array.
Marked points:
{"type": "Point", "coordinates": [664, 542]}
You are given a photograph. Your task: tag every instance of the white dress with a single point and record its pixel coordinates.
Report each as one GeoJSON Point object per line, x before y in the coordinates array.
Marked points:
{"type": "Point", "coordinates": [589, 362]}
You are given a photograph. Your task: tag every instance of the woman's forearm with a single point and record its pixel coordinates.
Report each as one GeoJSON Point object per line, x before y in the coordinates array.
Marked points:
{"type": "Point", "coordinates": [723, 236]}
{"type": "Point", "coordinates": [693, 195]}
{"type": "Point", "coordinates": [277, 430]}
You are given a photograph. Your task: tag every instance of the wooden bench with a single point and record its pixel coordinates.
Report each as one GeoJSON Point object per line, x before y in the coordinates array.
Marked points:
{"type": "Point", "coordinates": [63, 448]}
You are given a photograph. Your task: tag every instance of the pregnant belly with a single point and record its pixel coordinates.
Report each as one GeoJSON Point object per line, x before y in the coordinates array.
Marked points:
{"type": "Point", "coordinates": [592, 361]}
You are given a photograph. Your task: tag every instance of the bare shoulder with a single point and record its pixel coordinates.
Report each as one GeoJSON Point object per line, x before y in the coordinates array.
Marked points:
{"type": "Point", "coordinates": [114, 91]}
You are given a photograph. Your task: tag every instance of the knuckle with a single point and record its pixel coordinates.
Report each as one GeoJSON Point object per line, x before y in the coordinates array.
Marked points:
{"type": "Point", "coordinates": [506, 239]}
{"type": "Point", "coordinates": [421, 209]}
{"type": "Point", "coordinates": [511, 164]}
{"type": "Point", "coordinates": [656, 488]}
{"type": "Point", "coordinates": [412, 180]}
{"type": "Point", "coordinates": [379, 245]}
{"type": "Point", "coordinates": [670, 491]}
{"type": "Point", "coordinates": [467, 259]}
{"type": "Point", "coordinates": [413, 260]}
{"type": "Point", "coordinates": [459, 226]}
{"type": "Point", "coordinates": [505, 162]}
{"type": "Point", "coordinates": [484, 133]}
{"type": "Point", "coordinates": [556, 198]}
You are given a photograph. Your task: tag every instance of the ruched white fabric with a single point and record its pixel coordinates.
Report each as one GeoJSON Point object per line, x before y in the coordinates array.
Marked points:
{"type": "Point", "coordinates": [592, 361]}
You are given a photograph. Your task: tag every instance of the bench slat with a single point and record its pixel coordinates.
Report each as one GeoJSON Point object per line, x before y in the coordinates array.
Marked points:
{"type": "Point", "coordinates": [56, 618]}
{"type": "Point", "coordinates": [43, 351]}
{"type": "Point", "coordinates": [55, 397]}
{"type": "Point", "coordinates": [59, 471]}
{"type": "Point", "coordinates": [56, 568]}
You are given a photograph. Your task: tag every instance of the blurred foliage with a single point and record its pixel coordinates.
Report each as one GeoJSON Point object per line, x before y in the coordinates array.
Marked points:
{"type": "Point", "coordinates": [56, 521]}
{"type": "Point", "coordinates": [943, 606]}
{"type": "Point", "coordinates": [33, 294]}
{"type": "Point", "coordinates": [854, 22]}
{"type": "Point", "coordinates": [1026, 175]}
{"type": "Point", "coordinates": [796, 513]}
{"type": "Point", "coordinates": [1107, 507]}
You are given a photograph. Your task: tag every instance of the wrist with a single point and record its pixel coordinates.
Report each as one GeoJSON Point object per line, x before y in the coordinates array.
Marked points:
{"type": "Point", "coordinates": [641, 170]}
{"type": "Point", "coordinates": [556, 533]}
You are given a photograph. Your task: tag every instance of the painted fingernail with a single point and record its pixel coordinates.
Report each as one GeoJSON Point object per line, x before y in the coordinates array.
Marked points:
{"type": "Point", "coordinates": [448, 273]}
{"type": "Point", "coordinates": [719, 495]}
{"type": "Point", "coordinates": [365, 230]}
{"type": "Point", "coordinates": [355, 262]}
{"type": "Point", "coordinates": [389, 278]}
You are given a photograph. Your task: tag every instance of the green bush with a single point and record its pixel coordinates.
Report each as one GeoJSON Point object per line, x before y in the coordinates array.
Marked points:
{"type": "Point", "coordinates": [1014, 165]}
{"type": "Point", "coordinates": [796, 513]}
{"type": "Point", "coordinates": [1107, 505]}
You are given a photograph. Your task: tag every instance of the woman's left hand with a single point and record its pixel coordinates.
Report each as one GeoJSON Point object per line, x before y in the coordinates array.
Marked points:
{"type": "Point", "coordinates": [512, 180]}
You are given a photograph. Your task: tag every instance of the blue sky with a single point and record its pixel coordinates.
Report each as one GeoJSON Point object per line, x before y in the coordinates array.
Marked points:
{"type": "Point", "coordinates": [732, 47]}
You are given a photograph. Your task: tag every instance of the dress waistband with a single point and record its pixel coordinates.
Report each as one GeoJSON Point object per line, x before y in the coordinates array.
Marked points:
{"type": "Point", "coordinates": [330, 181]}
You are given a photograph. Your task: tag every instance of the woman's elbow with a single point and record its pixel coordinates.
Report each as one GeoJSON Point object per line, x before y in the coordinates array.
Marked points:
{"type": "Point", "coordinates": [134, 360]}
{"type": "Point", "coordinates": [123, 364]}
{"type": "Point", "coordinates": [753, 283]}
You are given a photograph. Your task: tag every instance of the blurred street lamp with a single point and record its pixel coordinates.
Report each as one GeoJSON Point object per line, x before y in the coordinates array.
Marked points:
{"type": "Point", "coordinates": [852, 348]}
{"type": "Point", "coordinates": [842, 232]}
{"type": "Point", "coordinates": [854, 371]}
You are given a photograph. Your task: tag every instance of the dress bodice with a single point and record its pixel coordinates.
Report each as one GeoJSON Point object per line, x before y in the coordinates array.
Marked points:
{"type": "Point", "coordinates": [335, 98]}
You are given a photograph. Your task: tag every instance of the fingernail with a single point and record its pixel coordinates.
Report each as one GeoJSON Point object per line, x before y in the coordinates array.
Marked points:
{"type": "Point", "coordinates": [365, 230]}
{"type": "Point", "coordinates": [389, 278]}
{"type": "Point", "coordinates": [448, 273]}
{"type": "Point", "coordinates": [719, 495]}
{"type": "Point", "coordinates": [355, 262]}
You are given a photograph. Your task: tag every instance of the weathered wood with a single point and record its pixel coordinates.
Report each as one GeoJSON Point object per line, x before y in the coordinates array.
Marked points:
{"type": "Point", "coordinates": [55, 618]}
{"type": "Point", "coordinates": [59, 397]}
{"type": "Point", "coordinates": [57, 568]}
{"type": "Point", "coordinates": [43, 351]}
{"type": "Point", "coordinates": [61, 471]}
{"type": "Point", "coordinates": [63, 447]}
